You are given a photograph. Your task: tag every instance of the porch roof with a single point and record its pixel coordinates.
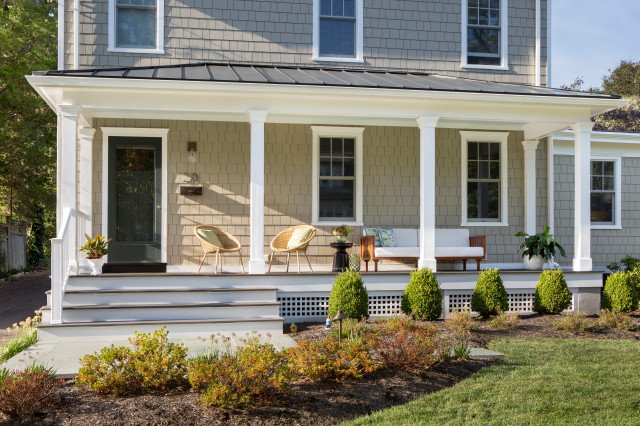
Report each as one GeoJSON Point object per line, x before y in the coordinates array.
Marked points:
{"type": "Point", "coordinates": [316, 76]}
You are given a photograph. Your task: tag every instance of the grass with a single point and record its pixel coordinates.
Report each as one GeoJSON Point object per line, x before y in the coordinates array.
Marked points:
{"type": "Point", "coordinates": [540, 381]}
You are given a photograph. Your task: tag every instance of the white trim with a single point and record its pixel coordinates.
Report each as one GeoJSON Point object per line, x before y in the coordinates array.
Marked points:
{"type": "Point", "coordinates": [582, 260]}
{"type": "Point", "coordinates": [60, 38]}
{"type": "Point", "coordinates": [322, 131]}
{"type": "Point", "coordinates": [76, 34]}
{"type": "Point", "coordinates": [111, 19]}
{"type": "Point", "coordinates": [538, 58]}
{"type": "Point", "coordinates": [427, 232]}
{"type": "Point", "coordinates": [504, 39]}
{"type": "Point", "coordinates": [502, 138]}
{"type": "Point", "coordinates": [551, 201]}
{"type": "Point", "coordinates": [257, 119]}
{"type": "Point", "coordinates": [136, 132]}
{"type": "Point", "coordinates": [617, 175]}
{"type": "Point", "coordinates": [359, 55]}
{"type": "Point", "coordinates": [530, 210]}
{"type": "Point", "coordinates": [548, 15]}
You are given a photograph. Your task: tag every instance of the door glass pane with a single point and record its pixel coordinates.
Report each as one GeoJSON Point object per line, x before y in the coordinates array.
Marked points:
{"type": "Point", "coordinates": [136, 27]}
{"type": "Point", "coordinates": [134, 194]}
{"type": "Point", "coordinates": [336, 199]}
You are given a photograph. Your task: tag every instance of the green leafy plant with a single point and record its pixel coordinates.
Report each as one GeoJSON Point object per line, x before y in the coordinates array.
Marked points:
{"type": "Point", "coordinates": [542, 244]}
{"type": "Point", "coordinates": [422, 298]}
{"type": "Point", "coordinates": [256, 371]}
{"type": "Point", "coordinates": [461, 350]}
{"type": "Point", "coordinates": [349, 295]}
{"type": "Point", "coordinates": [153, 364]}
{"type": "Point", "coordinates": [96, 247]}
{"type": "Point", "coordinates": [489, 296]}
{"type": "Point", "coordinates": [24, 392]}
{"type": "Point", "coordinates": [615, 319]}
{"type": "Point", "coordinates": [575, 323]}
{"type": "Point", "coordinates": [342, 231]}
{"type": "Point", "coordinates": [552, 295]}
{"type": "Point", "coordinates": [619, 293]}
{"type": "Point", "coordinates": [504, 321]}
{"type": "Point", "coordinates": [21, 336]}
{"type": "Point", "coordinates": [352, 329]}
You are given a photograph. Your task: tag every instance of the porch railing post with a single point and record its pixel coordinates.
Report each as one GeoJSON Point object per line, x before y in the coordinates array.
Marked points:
{"type": "Point", "coordinates": [256, 209]}
{"type": "Point", "coordinates": [427, 126]}
{"type": "Point", "coordinates": [582, 234]}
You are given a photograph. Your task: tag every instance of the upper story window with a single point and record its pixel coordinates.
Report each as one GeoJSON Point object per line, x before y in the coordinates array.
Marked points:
{"type": "Point", "coordinates": [605, 193]}
{"type": "Point", "coordinates": [484, 178]}
{"type": "Point", "coordinates": [484, 34]}
{"type": "Point", "coordinates": [337, 30]}
{"type": "Point", "coordinates": [136, 26]}
{"type": "Point", "coordinates": [337, 175]}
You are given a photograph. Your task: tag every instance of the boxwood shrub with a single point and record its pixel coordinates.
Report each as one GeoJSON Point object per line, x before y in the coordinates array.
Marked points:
{"type": "Point", "coordinates": [619, 293]}
{"type": "Point", "coordinates": [552, 295]}
{"type": "Point", "coordinates": [349, 295]}
{"type": "Point", "coordinates": [489, 296]}
{"type": "Point", "coordinates": [422, 298]}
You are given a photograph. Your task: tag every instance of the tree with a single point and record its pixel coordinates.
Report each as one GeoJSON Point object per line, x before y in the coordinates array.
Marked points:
{"type": "Point", "coordinates": [624, 80]}
{"type": "Point", "coordinates": [28, 31]}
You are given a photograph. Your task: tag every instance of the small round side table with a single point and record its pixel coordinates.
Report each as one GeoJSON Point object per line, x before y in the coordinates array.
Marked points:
{"type": "Point", "coordinates": [341, 257]}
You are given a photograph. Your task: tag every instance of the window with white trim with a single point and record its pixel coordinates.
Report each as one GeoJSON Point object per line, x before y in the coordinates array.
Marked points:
{"type": "Point", "coordinates": [337, 30]}
{"type": "Point", "coordinates": [484, 33]}
{"type": "Point", "coordinates": [136, 26]}
{"type": "Point", "coordinates": [484, 178]}
{"type": "Point", "coordinates": [605, 192]}
{"type": "Point", "coordinates": [337, 175]}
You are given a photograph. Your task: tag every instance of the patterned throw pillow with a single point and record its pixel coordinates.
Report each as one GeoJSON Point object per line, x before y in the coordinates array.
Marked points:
{"type": "Point", "coordinates": [387, 238]}
{"type": "Point", "coordinates": [298, 237]}
{"type": "Point", "coordinates": [209, 236]}
{"type": "Point", "coordinates": [373, 232]}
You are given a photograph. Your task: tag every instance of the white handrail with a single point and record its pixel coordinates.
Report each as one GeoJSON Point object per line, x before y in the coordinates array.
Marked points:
{"type": "Point", "coordinates": [62, 254]}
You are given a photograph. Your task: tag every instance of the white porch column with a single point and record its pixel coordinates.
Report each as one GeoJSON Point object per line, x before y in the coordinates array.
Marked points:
{"type": "Point", "coordinates": [85, 183]}
{"type": "Point", "coordinates": [256, 197]}
{"type": "Point", "coordinates": [582, 238]}
{"type": "Point", "coordinates": [530, 212]}
{"type": "Point", "coordinates": [427, 126]}
{"type": "Point", "coordinates": [68, 164]}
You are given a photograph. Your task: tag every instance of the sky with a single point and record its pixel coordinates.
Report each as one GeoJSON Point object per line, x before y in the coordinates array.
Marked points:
{"type": "Point", "coordinates": [591, 37]}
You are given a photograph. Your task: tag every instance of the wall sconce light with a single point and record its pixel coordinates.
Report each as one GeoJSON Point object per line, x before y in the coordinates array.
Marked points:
{"type": "Point", "coordinates": [192, 147]}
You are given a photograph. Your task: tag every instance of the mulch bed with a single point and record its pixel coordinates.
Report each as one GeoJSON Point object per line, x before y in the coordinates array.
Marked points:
{"type": "Point", "coordinates": [308, 404]}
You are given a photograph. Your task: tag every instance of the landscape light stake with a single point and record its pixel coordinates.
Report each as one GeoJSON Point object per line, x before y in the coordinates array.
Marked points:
{"type": "Point", "coordinates": [339, 317]}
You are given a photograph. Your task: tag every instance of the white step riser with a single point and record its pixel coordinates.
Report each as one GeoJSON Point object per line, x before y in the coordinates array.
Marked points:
{"type": "Point", "coordinates": [99, 331]}
{"type": "Point", "coordinates": [71, 299]}
{"type": "Point", "coordinates": [165, 313]}
{"type": "Point", "coordinates": [104, 282]}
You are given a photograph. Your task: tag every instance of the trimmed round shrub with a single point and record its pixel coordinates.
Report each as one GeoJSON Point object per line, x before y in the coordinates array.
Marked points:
{"type": "Point", "coordinates": [422, 298]}
{"type": "Point", "coordinates": [552, 295]}
{"type": "Point", "coordinates": [489, 296]}
{"type": "Point", "coordinates": [619, 294]}
{"type": "Point", "coordinates": [349, 295]}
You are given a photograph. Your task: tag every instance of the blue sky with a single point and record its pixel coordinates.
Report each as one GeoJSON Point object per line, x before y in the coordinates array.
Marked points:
{"type": "Point", "coordinates": [589, 37]}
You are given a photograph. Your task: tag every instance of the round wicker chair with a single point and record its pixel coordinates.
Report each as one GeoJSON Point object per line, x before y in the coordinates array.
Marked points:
{"type": "Point", "coordinates": [228, 241]}
{"type": "Point", "coordinates": [280, 242]}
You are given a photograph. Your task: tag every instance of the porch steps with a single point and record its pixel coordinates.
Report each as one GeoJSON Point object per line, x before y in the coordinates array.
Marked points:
{"type": "Point", "coordinates": [189, 305]}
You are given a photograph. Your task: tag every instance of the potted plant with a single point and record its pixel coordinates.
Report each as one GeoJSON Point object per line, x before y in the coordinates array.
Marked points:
{"type": "Point", "coordinates": [95, 248]}
{"type": "Point", "coordinates": [539, 248]}
{"type": "Point", "coordinates": [342, 232]}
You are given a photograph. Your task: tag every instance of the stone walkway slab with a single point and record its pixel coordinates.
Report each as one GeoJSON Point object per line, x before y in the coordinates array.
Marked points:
{"type": "Point", "coordinates": [482, 353]}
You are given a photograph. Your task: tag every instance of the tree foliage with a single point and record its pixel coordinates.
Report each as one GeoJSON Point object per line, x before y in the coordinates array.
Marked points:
{"type": "Point", "coordinates": [28, 31]}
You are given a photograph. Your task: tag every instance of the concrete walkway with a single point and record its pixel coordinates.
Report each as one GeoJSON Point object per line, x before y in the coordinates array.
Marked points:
{"type": "Point", "coordinates": [64, 355]}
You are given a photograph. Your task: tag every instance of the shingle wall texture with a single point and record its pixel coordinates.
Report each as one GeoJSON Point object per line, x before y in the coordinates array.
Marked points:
{"type": "Point", "coordinates": [390, 179]}
{"type": "Point", "coordinates": [607, 245]}
{"type": "Point", "coordinates": [399, 34]}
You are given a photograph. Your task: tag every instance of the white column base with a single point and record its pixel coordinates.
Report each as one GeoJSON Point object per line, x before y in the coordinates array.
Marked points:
{"type": "Point", "coordinates": [257, 267]}
{"type": "Point", "coordinates": [584, 264]}
{"type": "Point", "coordinates": [427, 263]}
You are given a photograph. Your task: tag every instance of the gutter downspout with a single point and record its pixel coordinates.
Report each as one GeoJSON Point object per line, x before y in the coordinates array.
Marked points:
{"type": "Point", "coordinates": [60, 36]}
{"type": "Point", "coordinates": [538, 54]}
{"type": "Point", "coordinates": [76, 34]}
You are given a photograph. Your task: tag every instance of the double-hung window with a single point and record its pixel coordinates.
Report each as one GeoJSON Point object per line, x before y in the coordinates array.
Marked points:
{"type": "Point", "coordinates": [605, 193]}
{"type": "Point", "coordinates": [136, 26]}
{"type": "Point", "coordinates": [337, 30]}
{"type": "Point", "coordinates": [484, 33]}
{"type": "Point", "coordinates": [337, 173]}
{"type": "Point", "coordinates": [484, 178]}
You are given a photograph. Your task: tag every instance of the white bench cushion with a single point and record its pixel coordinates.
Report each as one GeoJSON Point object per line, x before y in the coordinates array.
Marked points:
{"type": "Point", "coordinates": [459, 252]}
{"type": "Point", "coordinates": [406, 237]}
{"type": "Point", "coordinates": [397, 252]}
{"type": "Point", "coordinates": [452, 238]}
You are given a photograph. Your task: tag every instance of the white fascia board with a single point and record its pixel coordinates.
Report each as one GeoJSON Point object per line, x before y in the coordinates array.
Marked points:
{"type": "Point", "coordinates": [604, 137]}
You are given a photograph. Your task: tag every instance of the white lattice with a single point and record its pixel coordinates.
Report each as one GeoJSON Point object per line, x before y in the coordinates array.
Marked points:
{"type": "Point", "coordinates": [303, 306]}
{"type": "Point", "coordinates": [459, 302]}
{"type": "Point", "coordinates": [520, 302]}
{"type": "Point", "coordinates": [385, 305]}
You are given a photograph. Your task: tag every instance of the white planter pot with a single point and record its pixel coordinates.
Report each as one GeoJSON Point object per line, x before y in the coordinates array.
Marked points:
{"type": "Point", "coordinates": [96, 266]}
{"type": "Point", "coordinates": [533, 264]}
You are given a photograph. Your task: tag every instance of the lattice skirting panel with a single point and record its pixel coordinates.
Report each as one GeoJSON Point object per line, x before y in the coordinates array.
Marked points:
{"type": "Point", "coordinates": [519, 301]}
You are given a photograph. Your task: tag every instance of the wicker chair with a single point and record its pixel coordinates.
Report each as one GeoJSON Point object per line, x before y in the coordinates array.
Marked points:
{"type": "Point", "coordinates": [229, 245]}
{"type": "Point", "coordinates": [280, 242]}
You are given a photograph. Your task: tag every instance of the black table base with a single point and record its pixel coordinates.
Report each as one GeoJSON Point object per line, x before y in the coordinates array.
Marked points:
{"type": "Point", "coordinates": [341, 257]}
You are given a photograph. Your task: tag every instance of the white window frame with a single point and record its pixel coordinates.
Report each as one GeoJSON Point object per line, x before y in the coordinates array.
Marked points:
{"type": "Point", "coordinates": [359, 35]}
{"type": "Point", "coordinates": [504, 38]}
{"type": "Point", "coordinates": [502, 138]}
{"type": "Point", "coordinates": [617, 186]}
{"type": "Point", "coordinates": [159, 49]}
{"type": "Point", "coordinates": [336, 132]}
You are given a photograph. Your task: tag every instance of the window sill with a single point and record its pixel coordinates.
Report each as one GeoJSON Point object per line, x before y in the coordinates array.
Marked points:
{"type": "Point", "coordinates": [333, 223]}
{"type": "Point", "coordinates": [485, 67]}
{"type": "Point", "coordinates": [606, 227]}
{"type": "Point", "coordinates": [329, 59]}
{"type": "Point", "coordinates": [135, 50]}
{"type": "Point", "coordinates": [464, 223]}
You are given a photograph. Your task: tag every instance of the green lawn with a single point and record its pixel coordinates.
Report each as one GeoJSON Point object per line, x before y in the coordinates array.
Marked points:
{"type": "Point", "coordinates": [541, 381]}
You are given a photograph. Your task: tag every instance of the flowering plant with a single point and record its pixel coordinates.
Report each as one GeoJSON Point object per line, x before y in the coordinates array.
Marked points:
{"type": "Point", "coordinates": [342, 231]}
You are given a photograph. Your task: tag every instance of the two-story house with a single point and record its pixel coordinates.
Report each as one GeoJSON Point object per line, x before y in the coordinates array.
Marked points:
{"type": "Point", "coordinates": [413, 114]}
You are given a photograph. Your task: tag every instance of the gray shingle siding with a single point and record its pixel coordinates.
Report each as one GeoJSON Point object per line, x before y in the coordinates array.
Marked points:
{"type": "Point", "coordinates": [400, 35]}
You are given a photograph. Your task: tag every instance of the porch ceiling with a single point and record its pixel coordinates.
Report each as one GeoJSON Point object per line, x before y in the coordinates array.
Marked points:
{"type": "Point", "coordinates": [294, 95]}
